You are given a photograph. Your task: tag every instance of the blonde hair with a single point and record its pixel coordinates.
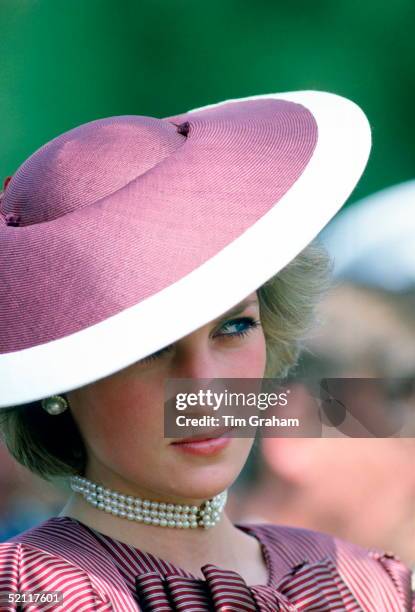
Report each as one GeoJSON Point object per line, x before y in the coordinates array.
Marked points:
{"type": "Point", "coordinates": [53, 447]}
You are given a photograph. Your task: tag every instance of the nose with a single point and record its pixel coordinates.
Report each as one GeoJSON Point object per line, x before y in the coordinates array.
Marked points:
{"type": "Point", "coordinates": [195, 362]}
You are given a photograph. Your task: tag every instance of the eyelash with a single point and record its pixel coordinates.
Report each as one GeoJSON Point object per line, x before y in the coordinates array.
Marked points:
{"type": "Point", "coordinates": [251, 322]}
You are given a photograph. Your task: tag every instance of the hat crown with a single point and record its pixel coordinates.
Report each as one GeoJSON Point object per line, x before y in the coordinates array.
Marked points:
{"type": "Point", "coordinates": [86, 164]}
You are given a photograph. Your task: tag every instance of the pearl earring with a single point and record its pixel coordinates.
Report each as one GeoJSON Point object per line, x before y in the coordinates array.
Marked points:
{"type": "Point", "coordinates": [56, 404]}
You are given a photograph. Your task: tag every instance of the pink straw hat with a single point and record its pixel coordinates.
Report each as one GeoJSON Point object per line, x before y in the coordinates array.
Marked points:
{"type": "Point", "coordinates": [125, 234]}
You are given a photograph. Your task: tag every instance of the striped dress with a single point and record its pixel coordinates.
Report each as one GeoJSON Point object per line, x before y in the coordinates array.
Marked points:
{"type": "Point", "coordinates": [307, 571]}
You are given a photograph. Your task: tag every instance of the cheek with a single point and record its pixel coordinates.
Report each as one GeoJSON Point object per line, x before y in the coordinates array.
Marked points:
{"type": "Point", "coordinates": [121, 415]}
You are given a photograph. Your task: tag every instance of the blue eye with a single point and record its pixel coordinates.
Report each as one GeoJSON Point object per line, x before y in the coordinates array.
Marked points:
{"type": "Point", "coordinates": [239, 327]}
{"type": "Point", "coordinates": [235, 327]}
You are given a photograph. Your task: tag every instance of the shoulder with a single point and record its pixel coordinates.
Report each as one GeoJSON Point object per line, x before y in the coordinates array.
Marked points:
{"type": "Point", "coordinates": [54, 553]}
{"type": "Point", "coordinates": [298, 541]}
{"type": "Point", "coordinates": [371, 574]}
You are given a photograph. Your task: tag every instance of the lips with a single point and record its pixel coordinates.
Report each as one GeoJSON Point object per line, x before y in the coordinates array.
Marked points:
{"type": "Point", "coordinates": [203, 448]}
{"type": "Point", "coordinates": [208, 434]}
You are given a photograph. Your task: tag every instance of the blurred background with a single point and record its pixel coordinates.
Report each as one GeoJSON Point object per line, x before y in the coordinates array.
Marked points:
{"type": "Point", "coordinates": [64, 63]}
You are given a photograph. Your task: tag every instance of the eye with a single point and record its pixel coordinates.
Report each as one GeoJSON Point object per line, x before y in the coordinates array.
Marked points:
{"type": "Point", "coordinates": [241, 326]}
{"type": "Point", "coordinates": [156, 355]}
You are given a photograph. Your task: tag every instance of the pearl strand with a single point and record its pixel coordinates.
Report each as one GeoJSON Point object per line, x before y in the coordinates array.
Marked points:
{"type": "Point", "coordinates": [163, 514]}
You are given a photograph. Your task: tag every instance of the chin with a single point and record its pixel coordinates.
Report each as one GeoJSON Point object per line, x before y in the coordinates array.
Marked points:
{"type": "Point", "coordinates": [203, 478]}
{"type": "Point", "coordinates": [202, 483]}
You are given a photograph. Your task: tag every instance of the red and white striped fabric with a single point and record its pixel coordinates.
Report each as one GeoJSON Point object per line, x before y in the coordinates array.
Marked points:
{"type": "Point", "coordinates": [308, 571]}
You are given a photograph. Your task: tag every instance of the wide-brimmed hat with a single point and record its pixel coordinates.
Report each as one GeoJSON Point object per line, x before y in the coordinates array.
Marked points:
{"type": "Point", "coordinates": [127, 233]}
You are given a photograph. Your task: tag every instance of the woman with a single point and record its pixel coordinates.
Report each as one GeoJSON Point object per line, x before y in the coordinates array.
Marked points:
{"type": "Point", "coordinates": [139, 250]}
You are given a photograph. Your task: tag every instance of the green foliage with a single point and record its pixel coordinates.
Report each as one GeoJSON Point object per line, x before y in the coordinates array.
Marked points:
{"type": "Point", "coordinates": [64, 62]}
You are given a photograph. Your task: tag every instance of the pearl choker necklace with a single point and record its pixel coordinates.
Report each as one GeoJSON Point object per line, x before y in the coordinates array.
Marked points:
{"type": "Point", "coordinates": [150, 512]}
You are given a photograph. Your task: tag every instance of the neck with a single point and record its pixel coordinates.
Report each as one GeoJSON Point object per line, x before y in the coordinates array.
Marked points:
{"type": "Point", "coordinates": [189, 549]}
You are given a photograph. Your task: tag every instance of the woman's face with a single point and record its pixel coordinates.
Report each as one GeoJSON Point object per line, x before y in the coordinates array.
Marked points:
{"type": "Point", "coordinates": [121, 417]}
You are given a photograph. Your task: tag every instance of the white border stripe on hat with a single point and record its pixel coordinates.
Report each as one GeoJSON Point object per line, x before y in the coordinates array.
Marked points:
{"type": "Point", "coordinates": [336, 165]}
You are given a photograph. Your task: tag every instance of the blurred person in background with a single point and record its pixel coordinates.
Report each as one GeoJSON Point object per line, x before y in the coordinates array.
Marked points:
{"type": "Point", "coordinates": [362, 489]}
